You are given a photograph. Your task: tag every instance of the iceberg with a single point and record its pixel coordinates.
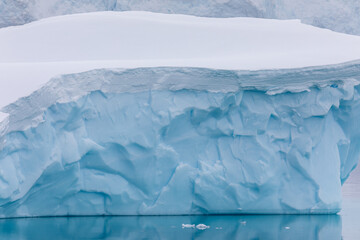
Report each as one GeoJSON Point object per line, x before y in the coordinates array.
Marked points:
{"type": "Point", "coordinates": [337, 15]}
{"type": "Point", "coordinates": [157, 114]}
{"type": "Point", "coordinates": [160, 141]}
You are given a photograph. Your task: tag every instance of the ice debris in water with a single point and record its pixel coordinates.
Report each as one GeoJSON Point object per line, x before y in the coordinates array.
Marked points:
{"type": "Point", "coordinates": [188, 225]}
{"type": "Point", "coordinates": [202, 226]}
{"type": "Point", "coordinates": [199, 226]}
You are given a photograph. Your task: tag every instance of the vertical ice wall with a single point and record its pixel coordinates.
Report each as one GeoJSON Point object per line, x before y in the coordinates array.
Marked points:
{"type": "Point", "coordinates": [118, 142]}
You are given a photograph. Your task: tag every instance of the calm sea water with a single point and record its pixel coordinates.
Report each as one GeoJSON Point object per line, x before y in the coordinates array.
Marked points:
{"type": "Point", "coordinates": [177, 227]}
{"type": "Point", "coordinates": [345, 225]}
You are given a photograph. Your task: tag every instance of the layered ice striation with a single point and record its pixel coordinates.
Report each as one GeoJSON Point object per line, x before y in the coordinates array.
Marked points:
{"type": "Point", "coordinates": [337, 15]}
{"type": "Point", "coordinates": [152, 141]}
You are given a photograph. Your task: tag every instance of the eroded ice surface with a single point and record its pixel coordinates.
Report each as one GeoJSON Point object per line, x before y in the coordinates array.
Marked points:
{"type": "Point", "coordinates": [182, 141]}
{"type": "Point", "coordinates": [337, 15]}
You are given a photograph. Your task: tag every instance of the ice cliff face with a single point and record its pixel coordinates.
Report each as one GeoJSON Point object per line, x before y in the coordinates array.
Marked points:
{"type": "Point", "coordinates": [182, 141]}
{"type": "Point", "coordinates": [337, 15]}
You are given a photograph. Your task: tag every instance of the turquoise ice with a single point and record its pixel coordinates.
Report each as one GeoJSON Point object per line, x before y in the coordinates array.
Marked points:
{"type": "Point", "coordinates": [159, 141]}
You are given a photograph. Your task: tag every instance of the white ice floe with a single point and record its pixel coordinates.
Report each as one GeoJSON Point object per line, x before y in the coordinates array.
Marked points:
{"type": "Point", "coordinates": [202, 226]}
{"type": "Point", "coordinates": [188, 225]}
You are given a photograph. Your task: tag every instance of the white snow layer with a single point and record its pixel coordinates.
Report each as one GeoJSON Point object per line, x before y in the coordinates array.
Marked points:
{"type": "Point", "coordinates": [34, 53]}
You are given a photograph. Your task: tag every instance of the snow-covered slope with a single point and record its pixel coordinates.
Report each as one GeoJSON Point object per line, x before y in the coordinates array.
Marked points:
{"type": "Point", "coordinates": [243, 43]}
{"type": "Point", "coordinates": [337, 15]}
{"type": "Point", "coordinates": [34, 53]}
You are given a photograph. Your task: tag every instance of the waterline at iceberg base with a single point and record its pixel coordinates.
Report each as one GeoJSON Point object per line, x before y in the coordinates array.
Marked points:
{"type": "Point", "coordinates": [160, 141]}
{"type": "Point", "coordinates": [318, 227]}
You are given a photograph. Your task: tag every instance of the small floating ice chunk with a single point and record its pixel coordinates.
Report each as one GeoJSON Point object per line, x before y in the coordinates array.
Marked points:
{"type": "Point", "coordinates": [243, 223]}
{"type": "Point", "coordinates": [188, 225]}
{"type": "Point", "coordinates": [202, 226]}
{"type": "Point", "coordinates": [287, 228]}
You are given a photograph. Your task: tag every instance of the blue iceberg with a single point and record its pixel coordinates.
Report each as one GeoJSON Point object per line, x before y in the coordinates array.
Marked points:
{"type": "Point", "coordinates": [170, 140]}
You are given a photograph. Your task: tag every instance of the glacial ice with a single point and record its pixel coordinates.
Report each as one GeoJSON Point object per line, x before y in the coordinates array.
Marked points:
{"type": "Point", "coordinates": [175, 140]}
{"type": "Point", "coordinates": [337, 15]}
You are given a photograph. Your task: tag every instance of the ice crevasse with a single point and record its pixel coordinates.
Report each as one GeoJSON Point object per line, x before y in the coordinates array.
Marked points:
{"type": "Point", "coordinates": [182, 141]}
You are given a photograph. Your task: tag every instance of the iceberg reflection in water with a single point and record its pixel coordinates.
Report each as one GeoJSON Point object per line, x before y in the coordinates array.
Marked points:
{"type": "Point", "coordinates": [175, 227]}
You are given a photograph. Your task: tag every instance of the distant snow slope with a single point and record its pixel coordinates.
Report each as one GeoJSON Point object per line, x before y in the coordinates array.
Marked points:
{"type": "Point", "coordinates": [33, 53]}
{"type": "Point", "coordinates": [337, 15]}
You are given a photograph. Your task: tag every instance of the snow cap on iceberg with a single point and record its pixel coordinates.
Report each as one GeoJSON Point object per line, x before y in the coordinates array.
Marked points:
{"type": "Point", "coordinates": [34, 53]}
